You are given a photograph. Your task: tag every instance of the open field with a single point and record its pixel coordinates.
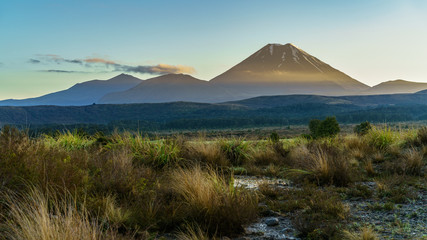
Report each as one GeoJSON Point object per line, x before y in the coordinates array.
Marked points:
{"type": "Point", "coordinates": [202, 186]}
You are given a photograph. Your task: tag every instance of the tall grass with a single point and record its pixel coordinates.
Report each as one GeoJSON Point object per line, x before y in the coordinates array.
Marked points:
{"type": "Point", "coordinates": [192, 232]}
{"type": "Point", "coordinates": [410, 162]}
{"type": "Point", "coordinates": [69, 141]}
{"type": "Point", "coordinates": [324, 163]}
{"type": "Point", "coordinates": [365, 234]}
{"type": "Point", "coordinates": [209, 153]}
{"type": "Point", "coordinates": [134, 184]}
{"type": "Point", "coordinates": [39, 215]}
{"type": "Point", "coordinates": [212, 201]}
{"type": "Point", "coordinates": [382, 138]}
{"type": "Point", "coordinates": [236, 150]}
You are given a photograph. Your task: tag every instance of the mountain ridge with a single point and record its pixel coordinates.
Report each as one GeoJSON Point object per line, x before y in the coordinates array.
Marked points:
{"type": "Point", "coordinates": [395, 86]}
{"type": "Point", "coordinates": [84, 93]}
{"type": "Point", "coordinates": [274, 69]}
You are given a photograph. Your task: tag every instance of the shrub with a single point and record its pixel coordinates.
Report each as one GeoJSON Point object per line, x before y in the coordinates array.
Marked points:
{"type": "Point", "coordinates": [322, 217]}
{"type": "Point", "coordinates": [362, 128]}
{"type": "Point", "coordinates": [359, 190]}
{"type": "Point", "coordinates": [274, 137]}
{"type": "Point", "coordinates": [326, 128]}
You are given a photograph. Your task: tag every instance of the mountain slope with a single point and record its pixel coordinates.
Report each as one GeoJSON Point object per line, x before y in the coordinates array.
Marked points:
{"type": "Point", "coordinates": [80, 94]}
{"type": "Point", "coordinates": [285, 69]}
{"type": "Point", "coordinates": [396, 86]}
{"type": "Point", "coordinates": [170, 88]}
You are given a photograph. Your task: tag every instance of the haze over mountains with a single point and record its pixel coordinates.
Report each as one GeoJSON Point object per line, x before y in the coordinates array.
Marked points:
{"type": "Point", "coordinates": [80, 94]}
{"type": "Point", "coordinates": [275, 69]}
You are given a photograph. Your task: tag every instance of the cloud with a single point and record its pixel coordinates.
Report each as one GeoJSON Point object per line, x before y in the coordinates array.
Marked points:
{"type": "Point", "coordinates": [62, 71]}
{"type": "Point", "coordinates": [158, 69]}
{"type": "Point", "coordinates": [34, 61]}
{"type": "Point", "coordinates": [99, 60]}
{"type": "Point", "coordinates": [55, 58]}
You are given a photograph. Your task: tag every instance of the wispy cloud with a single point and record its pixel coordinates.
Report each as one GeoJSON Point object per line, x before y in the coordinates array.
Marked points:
{"type": "Point", "coordinates": [33, 61]}
{"type": "Point", "coordinates": [157, 69]}
{"type": "Point", "coordinates": [62, 71]}
{"type": "Point", "coordinates": [108, 64]}
{"type": "Point", "coordinates": [99, 60]}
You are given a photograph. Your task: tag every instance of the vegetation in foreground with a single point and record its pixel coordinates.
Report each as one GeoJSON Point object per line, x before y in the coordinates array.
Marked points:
{"type": "Point", "coordinates": [125, 186]}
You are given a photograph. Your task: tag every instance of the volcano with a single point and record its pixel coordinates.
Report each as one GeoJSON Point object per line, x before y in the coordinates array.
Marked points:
{"type": "Point", "coordinates": [278, 69]}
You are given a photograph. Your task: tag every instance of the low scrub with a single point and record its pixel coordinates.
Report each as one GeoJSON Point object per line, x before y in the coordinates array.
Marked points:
{"type": "Point", "coordinates": [318, 214]}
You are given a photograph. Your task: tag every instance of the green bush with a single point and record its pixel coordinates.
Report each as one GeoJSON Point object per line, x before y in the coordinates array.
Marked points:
{"type": "Point", "coordinates": [362, 128]}
{"type": "Point", "coordinates": [274, 137]}
{"type": "Point", "coordinates": [324, 128]}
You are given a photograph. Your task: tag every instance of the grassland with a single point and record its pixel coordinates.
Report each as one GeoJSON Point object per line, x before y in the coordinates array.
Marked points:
{"type": "Point", "coordinates": [126, 186]}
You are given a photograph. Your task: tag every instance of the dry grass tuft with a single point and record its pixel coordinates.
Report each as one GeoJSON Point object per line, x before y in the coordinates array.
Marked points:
{"type": "Point", "coordinates": [212, 201]}
{"type": "Point", "coordinates": [364, 234]}
{"type": "Point", "coordinates": [192, 232]}
{"type": "Point", "coordinates": [325, 163]}
{"type": "Point", "coordinates": [410, 162]}
{"type": "Point", "coordinates": [209, 153]}
{"type": "Point", "coordinates": [41, 216]}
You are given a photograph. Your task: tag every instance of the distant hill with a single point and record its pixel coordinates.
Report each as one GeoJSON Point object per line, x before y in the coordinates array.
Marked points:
{"type": "Point", "coordinates": [279, 69]}
{"type": "Point", "coordinates": [258, 111]}
{"type": "Point", "coordinates": [80, 94]}
{"type": "Point", "coordinates": [396, 86]}
{"type": "Point", "coordinates": [356, 100]}
{"type": "Point", "coordinates": [170, 88]}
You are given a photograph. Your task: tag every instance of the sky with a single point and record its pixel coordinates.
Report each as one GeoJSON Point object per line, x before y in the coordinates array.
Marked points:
{"type": "Point", "coordinates": [50, 45]}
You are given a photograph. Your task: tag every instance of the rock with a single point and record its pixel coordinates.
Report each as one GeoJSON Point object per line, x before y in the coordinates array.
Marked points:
{"type": "Point", "coordinates": [272, 222]}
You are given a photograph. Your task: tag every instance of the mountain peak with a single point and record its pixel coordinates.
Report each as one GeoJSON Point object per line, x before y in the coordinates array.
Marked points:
{"type": "Point", "coordinates": [291, 67]}
{"type": "Point", "coordinates": [124, 78]}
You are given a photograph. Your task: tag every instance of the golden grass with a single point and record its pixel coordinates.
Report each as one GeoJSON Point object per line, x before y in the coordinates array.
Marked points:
{"type": "Point", "coordinates": [411, 162]}
{"type": "Point", "coordinates": [212, 201]}
{"type": "Point", "coordinates": [326, 163]}
{"type": "Point", "coordinates": [39, 215]}
{"type": "Point", "coordinates": [364, 234]}
{"type": "Point", "coordinates": [209, 153]}
{"type": "Point", "coordinates": [192, 232]}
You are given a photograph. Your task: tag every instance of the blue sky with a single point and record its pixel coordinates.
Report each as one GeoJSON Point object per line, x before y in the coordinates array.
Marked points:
{"type": "Point", "coordinates": [48, 45]}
